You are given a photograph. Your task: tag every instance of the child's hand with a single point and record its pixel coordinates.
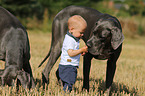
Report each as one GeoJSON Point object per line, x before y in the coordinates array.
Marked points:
{"type": "Point", "coordinates": [83, 53]}
{"type": "Point", "coordinates": [84, 50]}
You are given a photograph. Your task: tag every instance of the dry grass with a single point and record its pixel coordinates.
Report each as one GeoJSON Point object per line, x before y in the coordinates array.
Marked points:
{"type": "Point", "coordinates": [129, 78]}
{"type": "Point", "coordinates": [133, 26]}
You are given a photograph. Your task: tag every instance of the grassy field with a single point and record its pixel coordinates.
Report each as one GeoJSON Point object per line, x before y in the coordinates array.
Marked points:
{"type": "Point", "coordinates": [129, 78]}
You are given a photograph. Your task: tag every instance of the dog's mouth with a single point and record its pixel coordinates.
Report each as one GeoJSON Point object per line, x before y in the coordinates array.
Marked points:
{"type": "Point", "coordinates": [100, 52]}
{"type": "Point", "coordinates": [94, 52]}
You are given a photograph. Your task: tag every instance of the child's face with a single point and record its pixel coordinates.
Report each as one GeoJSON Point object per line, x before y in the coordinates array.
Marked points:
{"type": "Point", "coordinates": [78, 32]}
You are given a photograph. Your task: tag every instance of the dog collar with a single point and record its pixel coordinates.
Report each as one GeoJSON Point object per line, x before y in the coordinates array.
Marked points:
{"type": "Point", "coordinates": [69, 34]}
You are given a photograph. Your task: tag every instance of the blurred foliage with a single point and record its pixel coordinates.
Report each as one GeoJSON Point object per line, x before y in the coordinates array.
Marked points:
{"type": "Point", "coordinates": [136, 7]}
{"type": "Point", "coordinates": [29, 8]}
{"type": "Point", "coordinates": [39, 14]}
{"type": "Point", "coordinates": [54, 6]}
{"type": "Point", "coordinates": [23, 8]}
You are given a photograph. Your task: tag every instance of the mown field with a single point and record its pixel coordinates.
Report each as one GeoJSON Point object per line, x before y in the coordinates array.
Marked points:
{"type": "Point", "coordinates": [129, 78]}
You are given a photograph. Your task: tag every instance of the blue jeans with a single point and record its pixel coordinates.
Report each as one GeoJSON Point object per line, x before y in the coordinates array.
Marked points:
{"type": "Point", "coordinates": [67, 74]}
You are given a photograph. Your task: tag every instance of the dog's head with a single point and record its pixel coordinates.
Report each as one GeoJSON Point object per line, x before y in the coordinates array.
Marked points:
{"type": "Point", "coordinates": [106, 35]}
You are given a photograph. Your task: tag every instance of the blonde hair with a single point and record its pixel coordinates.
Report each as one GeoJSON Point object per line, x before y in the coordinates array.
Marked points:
{"type": "Point", "coordinates": [76, 21]}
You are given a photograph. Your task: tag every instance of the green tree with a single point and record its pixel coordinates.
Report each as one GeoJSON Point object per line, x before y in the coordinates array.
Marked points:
{"type": "Point", "coordinates": [54, 6]}
{"type": "Point", "coordinates": [22, 8]}
{"type": "Point", "coordinates": [136, 7]}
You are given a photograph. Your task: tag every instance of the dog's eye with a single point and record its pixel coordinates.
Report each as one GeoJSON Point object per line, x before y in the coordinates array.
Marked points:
{"type": "Point", "coordinates": [108, 29]}
{"type": "Point", "coordinates": [95, 32]}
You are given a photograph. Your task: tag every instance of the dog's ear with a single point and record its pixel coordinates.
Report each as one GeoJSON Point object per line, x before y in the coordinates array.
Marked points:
{"type": "Point", "coordinates": [117, 37]}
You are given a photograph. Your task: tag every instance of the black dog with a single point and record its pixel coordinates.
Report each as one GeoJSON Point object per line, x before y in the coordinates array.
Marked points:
{"type": "Point", "coordinates": [103, 36]}
{"type": "Point", "coordinates": [15, 51]}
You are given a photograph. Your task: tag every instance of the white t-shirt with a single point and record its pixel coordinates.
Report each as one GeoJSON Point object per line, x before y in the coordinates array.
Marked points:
{"type": "Point", "coordinates": [70, 42]}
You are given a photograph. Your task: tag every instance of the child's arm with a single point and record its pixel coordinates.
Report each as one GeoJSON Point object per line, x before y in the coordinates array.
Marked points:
{"type": "Point", "coordinates": [73, 53]}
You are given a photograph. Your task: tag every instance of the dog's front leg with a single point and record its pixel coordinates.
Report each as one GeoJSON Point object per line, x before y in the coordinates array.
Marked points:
{"type": "Point", "coordinates": [8, 75]}
{"type": "Point", "coordinates": [111, 68]}
{"type": "Point", "coordinates": [86, 70]}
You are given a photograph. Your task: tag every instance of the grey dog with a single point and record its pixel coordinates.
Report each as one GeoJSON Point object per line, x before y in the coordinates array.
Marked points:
{"type": "Point", "coordinates": [15, 51]}
{"type": "Point", "coordinates": [103, 37]}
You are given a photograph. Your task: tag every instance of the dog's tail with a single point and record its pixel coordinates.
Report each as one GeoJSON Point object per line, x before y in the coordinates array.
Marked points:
{"type": "Point", "coordinates": [44, 59]}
